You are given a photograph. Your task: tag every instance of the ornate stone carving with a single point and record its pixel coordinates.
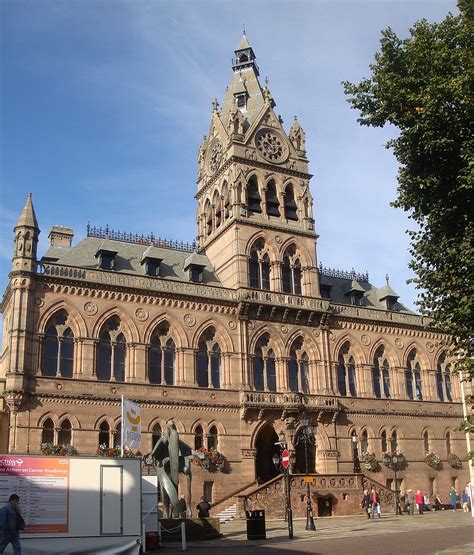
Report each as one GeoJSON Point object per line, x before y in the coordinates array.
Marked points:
{"type": "Point", "coordinates": [232, 325]}
{"type": "Point", "coordinates": [189, 320]}
{"type": "Point", "coordinates": [284, 329]}
{"type": "Point", "coordinates": [249, 453]}
{"type": "Point", "coordinates": [365, 340]}
{"type": "Point", "coordinates": [141, 314]}
{"type": "Point", "coordinates": [329, 454]}
{"type": "Point", "coordinates": [399, 343]}
{"type": "Point", "coordinates": [214, 156]}
{"type": "Point", "coordinates": [430, 347]}
{"type": "Point", "coordinates": [90, 308]}
{"type": "Point", "coordinates": [39, 302]}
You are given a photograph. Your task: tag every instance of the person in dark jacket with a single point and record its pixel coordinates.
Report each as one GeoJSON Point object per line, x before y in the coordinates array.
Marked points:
{"type": "Point", "coordinates": [366, 502]}
{"type": "Point", "coordinates": [11, 522]}
{"type": "Point", "coordinates": [182, 507]}
{"type": "Point", "coordinates": [203, 508]}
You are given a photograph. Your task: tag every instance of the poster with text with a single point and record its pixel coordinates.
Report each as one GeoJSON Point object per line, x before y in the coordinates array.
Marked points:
{"type": "Point", "coordinates": [42, 483]}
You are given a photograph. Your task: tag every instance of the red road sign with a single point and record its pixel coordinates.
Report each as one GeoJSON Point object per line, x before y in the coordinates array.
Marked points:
{"type": "Point", "coordinates": [285, 458]}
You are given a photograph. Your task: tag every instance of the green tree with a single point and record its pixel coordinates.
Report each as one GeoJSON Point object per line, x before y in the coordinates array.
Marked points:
{"type": "Point", "coordinates": [422, 85]}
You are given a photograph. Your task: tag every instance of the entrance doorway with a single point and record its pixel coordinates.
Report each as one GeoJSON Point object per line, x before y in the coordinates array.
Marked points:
{"type": "Point", "coordinates": [265, 444]}
{"type": "Point", "coordinates": [325, 506]}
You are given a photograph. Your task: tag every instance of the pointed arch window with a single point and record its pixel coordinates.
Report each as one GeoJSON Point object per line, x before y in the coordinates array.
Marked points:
{"type": "Point", "coordinates": [448, 443]}
{"type": "Point", "coordinates": [47, 433]}
{"type": "Point", "coordinates": [254, 200]}
{"type": "Point", "coordinates": [384, 441]}
{"type": "Point", "coordinates": [161, 357]}
{"type": "Point", "coordinates": [208, 216]}
{"type": "Point", "coordinates": [271, 199]}
{"type": "Point", "coordinates": [104, 434]}
{"type": "Point", "coordinates": [264, 368]}
{"type": "Point", "coordinates": [364, 442]}
{"type": "Point", "coordinates": [291, 210]}
{"type": "Point", "coordinates": [291, 272]}
{"type": "Point", "coordinates": [198, 437]}
{"type": "Point", "coordinates": [298, 368]}
{"type": "Point", "coordinates": [346, 372]}
{"type": "Point", "coordinates": [110, 364]}
{"type": "Point", "coordinates": [413, 377]}
{"type": "Point", "coordinates": [208, 360]}
{"type": "Point", "coordinates": [394, 442]}
{"type": "Point", "coordinates": [381, 375]}
{"type": "Point", "coordinates": [226, 201]}
{"type": "Point", "coordinates": [58, 347]}
{"type": "Point", "coordinates": [443, 379]}
{"type": "Point", "coordinates": [65, 432]}
{"type": "Point", "coordinates": [212, 438]}
{"type": "Point", "coordinates": [118, 435]}
{"type": "Point", "coordinates": [155, 435]}
{"type": "Point", "coordinates": [259, 266]}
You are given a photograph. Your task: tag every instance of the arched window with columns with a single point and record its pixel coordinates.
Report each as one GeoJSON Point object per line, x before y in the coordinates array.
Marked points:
{"type": "Point", "coordinates": [364, 442]}
{"type": "Point", "coordinates": [381, 374]}
{"type": "Point", "coordinates": [58, 347]}
{"type": "Point", "coordinates": [104, 434]}
{"type": "Point", "coordinates": [117, 435]}
{"type": "Point", "coordinates": [298, 368]}
{"type": "Point", "coordinates": [208, 360]}
{"type": "Point", "coordinates": [426, 442]}
{"type": "Point", "coordinates": [264, 367]}
{"type": "Point", "coordinates": [162, 356]}
{"type": "Point", "coordinates": [291, 271]}
{"type": "Point", "coordinates": [414, 386]}
{"type": "Point", "coordinates": [443, 379]}
{"type": "Point", "coordinates": [65, 432]}
{"type": "Point", "coordinates": [346, 371]}
{"type": "Point", "coordinates": [198, 437]}
{"type": "Point", "coordinates": [254, 200]}
{"type": "Point", "coordinates": [155, 435]}
{"type": "Point", "coordinates": [212, 438]}
{"type": "Point", "coordinates": [384, 442]}
{"type": "Point", "coordinates": [111, 352]}
{"type": "Point", "coordinates": [394, 442]}
{"type": "Point", "coordinates": [259, 266]}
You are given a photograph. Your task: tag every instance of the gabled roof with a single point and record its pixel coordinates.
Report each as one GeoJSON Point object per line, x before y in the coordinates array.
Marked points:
{"type": "Point", "coordinates": [152, 252]}
{"type": "Point", "coordinates": [353, 286]}
{"type": "Point", "coordinates": [386, 292]}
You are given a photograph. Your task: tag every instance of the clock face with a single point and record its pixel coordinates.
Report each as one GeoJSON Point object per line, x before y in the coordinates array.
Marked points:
{"type": "Point", "coordinates": [214, 156]}
{"type": "Point", "coordinates": [271, 145]}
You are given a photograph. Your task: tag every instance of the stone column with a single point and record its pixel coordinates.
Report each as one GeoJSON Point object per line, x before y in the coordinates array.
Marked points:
{"type": "Point", "coordinates": [140, 373]}
{"type": "Point", "coordinates": [188, 368]}
{"type": "Point", "coordinates": [88, 358]}
{"type": "Point", "coordinates": [280, 374]}
{"type": "Point", "coordinates": [78, 357]}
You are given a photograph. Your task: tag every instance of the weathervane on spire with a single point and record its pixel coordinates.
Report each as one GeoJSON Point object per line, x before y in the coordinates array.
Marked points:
{"type": "Point", "coordinates": [386, 278]}
{"type": "Point", "coordinates": [215, 105]}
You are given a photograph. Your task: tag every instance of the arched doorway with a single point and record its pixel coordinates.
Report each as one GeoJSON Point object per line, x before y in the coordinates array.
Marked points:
{"type": "Point", "coordinates": [265, 444]}
{"type": "Point", "coordinates": [300, 464]}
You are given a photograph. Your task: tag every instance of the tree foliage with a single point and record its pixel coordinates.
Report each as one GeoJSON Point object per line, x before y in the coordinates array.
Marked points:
{"type": "Point", "coordinates": [422, 85]}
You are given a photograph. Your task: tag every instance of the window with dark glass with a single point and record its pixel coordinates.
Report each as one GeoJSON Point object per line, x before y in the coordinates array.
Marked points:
{"type": "Point", "coordinates": [273, 205]}
{"type": "Point", "coordinates": [152, 266]}
{"type": "Point", "coordinates": [258, 369]}
{"type": "Point", "coordinates": [47, 434]}
{"type": "Point", "coordinates": [291, 211]}
{"type": "Point", "coordinates": [384, 441]}
{"type": "Point", "coordinates": [394, 442]}
{"type": "Point", "coordinates": [341, 377]}
{"type": "Point", "coordinates": [426, 442]}
{"type": "Point", "coordinates": [208, 360]}
{"type": "Point", "coordinates": [104, 434]}
{"type": "Point", "coordinates": [198, 437]}
{"type": "Point", "coordinates": [65, 432]}
{"type": "Point", "coordinates": [58, 347]}
{"type": "Point", "coordinates": [254, 201]}
{"type": "Point", "coordinates": [111, 350]}
{"type": "Point", "coordinates": [155, 435]}
{"type": "Point", "coordinates": [118, 435]}
{"type": "Point", "coordinates": [212, 438]}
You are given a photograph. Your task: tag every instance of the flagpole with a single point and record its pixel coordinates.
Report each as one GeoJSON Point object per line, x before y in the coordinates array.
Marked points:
{"type": "Point", "coordinates": [122, 430]}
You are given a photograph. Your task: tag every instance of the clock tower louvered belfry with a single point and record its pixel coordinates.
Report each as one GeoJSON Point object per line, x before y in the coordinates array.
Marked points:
{"type": "Point", "coordinates": [255, 219]}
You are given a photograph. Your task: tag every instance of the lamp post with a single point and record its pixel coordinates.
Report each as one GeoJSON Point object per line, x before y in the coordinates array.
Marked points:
{"type": "Point", "coordinates": [307, 437]}
{"type": "Point", "coordinates": [280, 466]}
{"type": "Point", "coordinates": [357, 469]}
{"type": "Point", "coordinates": [394, 459]}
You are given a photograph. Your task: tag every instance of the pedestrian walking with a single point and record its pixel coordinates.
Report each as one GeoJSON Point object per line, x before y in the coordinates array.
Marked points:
{"type": "Point", "coordinates": [420, 501]}
{"type": "Point", "coordinates": [453, 497]}
{"type": "Point", "coordinates": [366, 503]}
{"type": "Point", "coordinates": [427, 502]}
{"type": "Point", "coordinates": [11, 522]}
{"type": "Point", "coordinates": [203, 508]}
{"type": "Point", "coordinates": [375, 502]}
{"type": "Point", "coordinates": [465, 502]}
{"type": "Point", "coordinates": [410, 499]}
{"type": "Point", "coordinates": [438, 503]}
{"type": "Point", "coordinates": [182, 507]}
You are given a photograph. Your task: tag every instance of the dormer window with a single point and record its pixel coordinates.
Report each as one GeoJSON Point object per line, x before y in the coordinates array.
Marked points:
{"type": "Point", "coordinates": [106, 258]}
{"type": "Point", "coordinates": [151, 261]}
{"type": "Point", "coordinates": [356, 298]}
{"type": "Point", "coordinates": [325, 291]}
{"type": "Point", "coordinates": [241, 101]}
{"type": "Point", "coordinates": [195, 265]}
{"type": "Point", "coordinates": [355, 292]}
{"type": "Point", "coordinates": [387, 296]}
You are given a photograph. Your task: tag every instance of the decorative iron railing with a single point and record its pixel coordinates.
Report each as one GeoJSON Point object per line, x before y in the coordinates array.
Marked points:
{"type": "Point", "coordinates": [150, 239]}
{"type": "Point", "coordinates": [332, 272]}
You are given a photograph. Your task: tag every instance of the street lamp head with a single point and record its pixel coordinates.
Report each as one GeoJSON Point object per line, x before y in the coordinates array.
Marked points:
{"type": "Point", "coordinates": [354, 438]}
{"type": "Point", "coordinates": [292, 459]}
{"type": "Point", "coordinates": [304, 420]}
{"type": "Point", "coordinates": [276, 460]}
{"type": "Point", "coordinates": [394, 459]}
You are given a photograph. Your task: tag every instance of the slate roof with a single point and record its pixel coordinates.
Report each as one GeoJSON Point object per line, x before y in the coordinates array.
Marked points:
{"type": "Point", "coordinates": [340, 287]}
{"type": "Point", "coordinates": [128, 259]}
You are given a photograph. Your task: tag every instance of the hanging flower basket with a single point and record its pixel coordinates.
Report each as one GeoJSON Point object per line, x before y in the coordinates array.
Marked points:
{"type": "Point", "coordinates": [433, 460]}
{"type": "Point", "coordinates": [370, 462]}
{"type": "Point", "coordinates": [59, 449]}
{"type": "Point", "coordinates": [210, 460]}
{"type": "Point", "coordinates": [104, 451]}
{"type": "Point", "coordinates": [454, 461]}
{"type": "Point", "coordinates": [401, 461]}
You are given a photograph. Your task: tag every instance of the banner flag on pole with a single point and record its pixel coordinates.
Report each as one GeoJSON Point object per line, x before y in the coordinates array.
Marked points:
{"type": "Point", "coordinates": [131, 424]}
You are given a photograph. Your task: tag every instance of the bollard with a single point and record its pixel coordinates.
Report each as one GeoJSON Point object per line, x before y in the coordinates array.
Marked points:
{"type": "Point", "coordinates": [183, 536]}
{"type": "Point", "coordinates": [159, 534]}
{"type": "Point", "coordinates": [143, 537]}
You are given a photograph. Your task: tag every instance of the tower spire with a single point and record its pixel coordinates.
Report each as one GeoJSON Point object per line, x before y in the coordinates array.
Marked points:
{"type": "Point", "coordinates": [26, 239]}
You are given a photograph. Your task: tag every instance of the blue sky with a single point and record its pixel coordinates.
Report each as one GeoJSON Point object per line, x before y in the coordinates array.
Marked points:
{"type": "Point", "coordinates": [104, 104]}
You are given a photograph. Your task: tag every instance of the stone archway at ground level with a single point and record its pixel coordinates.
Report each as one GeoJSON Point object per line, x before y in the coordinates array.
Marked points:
{"type": "Point", "coordinates": [300, 454]}
{"type": "Point", "coordinates": [265, 445]}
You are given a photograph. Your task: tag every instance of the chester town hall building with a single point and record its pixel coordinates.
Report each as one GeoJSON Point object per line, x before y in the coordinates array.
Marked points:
{"type": "Point", "coordinates": [234, 337]}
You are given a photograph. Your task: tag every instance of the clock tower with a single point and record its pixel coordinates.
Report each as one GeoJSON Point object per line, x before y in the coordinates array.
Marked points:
{"type": "Point", "coordinates": [254, 215]}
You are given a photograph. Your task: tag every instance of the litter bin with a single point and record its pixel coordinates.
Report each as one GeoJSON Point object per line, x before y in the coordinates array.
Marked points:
{"type": "Point", "coordinates": [256, 525]}
{"type": "Point", "coordinates": [151, 541]}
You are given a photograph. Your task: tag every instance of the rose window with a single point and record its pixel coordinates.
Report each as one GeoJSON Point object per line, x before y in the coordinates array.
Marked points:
{"type": "Point", "coordinates": [271, 146]}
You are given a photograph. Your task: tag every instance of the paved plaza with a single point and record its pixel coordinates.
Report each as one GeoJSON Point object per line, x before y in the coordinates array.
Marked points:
{"type": "Point", "coordinates": [446, 533]}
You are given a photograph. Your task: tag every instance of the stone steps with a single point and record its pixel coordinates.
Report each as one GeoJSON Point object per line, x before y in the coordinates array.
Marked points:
{"type": "Point", "coordinates": [228, 514]}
